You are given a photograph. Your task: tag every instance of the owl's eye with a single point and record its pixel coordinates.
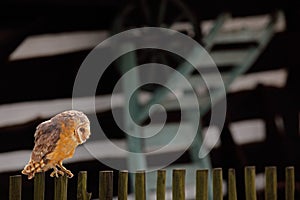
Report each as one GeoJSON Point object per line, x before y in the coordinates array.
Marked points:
{"type": "Point", "coordinates": [82, 130]}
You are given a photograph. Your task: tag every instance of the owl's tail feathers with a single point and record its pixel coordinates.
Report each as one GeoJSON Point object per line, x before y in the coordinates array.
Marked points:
{"type": "Point", "coordinates": [33, 167]}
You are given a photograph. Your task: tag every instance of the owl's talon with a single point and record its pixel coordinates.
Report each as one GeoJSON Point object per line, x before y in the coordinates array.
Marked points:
{"type": "Point", "coordinates": [54, 173]}
{"type": "Point", "coordinates": [61, 173]}
{"type": "Point", "coordinates": [69, 173]}
{"type": "Point", "coordinates": [57, 173]}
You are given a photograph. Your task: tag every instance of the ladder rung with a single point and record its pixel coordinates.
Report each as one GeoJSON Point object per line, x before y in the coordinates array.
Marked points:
{"type": "Point", "coordinates": [167, 134]}
{"type": "Point", "coordinates": [197, 82]}
{"type": "Point", "coordinates": [187, 102]}
{"type": "Point", "coordinates": [241, 36]}
{"type": "Point", "coordinates": [223, 58]}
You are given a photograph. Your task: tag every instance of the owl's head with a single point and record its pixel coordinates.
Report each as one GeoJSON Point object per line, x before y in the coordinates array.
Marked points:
{"type": "Point", "coordinates": [82, 128]}
{"type": "Point", "coordinates": [79, 123]}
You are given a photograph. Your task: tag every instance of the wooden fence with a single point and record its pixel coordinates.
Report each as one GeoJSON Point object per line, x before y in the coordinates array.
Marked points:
{"type": "Point", "coordinates": [178, 185]}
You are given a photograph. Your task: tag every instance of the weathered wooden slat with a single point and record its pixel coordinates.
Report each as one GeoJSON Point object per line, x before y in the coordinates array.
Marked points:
{"type": "Point", "coordinates": [15, 187]}
{"type": "Point", "coordinates": [123, 185]}
{"type": "Point", "coordinates": [232, 194]}
{"type": "Point", "coordinates": [217, 184]}
{"type": "Point", "coordinates": [82, 193]}
{"type": "Point", "coordinates": [271, 183]}
{"type": "Point", "coordinates": [250, 189]}
{"type": "Point", "coordinates": [202, 184]}
{"type": "Point", "coordinates": [289, 183]}
{"type": "Point", "coordinates": [105, 185]}
{"type": "Point", "coordinates": [161, 185]}
{"type": "Point", "coordinates": [39, 186]}
{"type": "Point", "coordinates": [60, 188]}
{"type": "Point", "coordinates": [140, 185]}
{"type": "Point", "coordinates": [178, 184]}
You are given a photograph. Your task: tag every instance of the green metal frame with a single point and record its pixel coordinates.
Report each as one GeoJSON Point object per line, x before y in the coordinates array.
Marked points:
{"type": "Point", "coordinates": [140, 113]}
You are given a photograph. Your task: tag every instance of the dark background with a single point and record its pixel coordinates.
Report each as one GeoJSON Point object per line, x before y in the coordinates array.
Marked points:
{"type": "Point", "coordinates": [26, 80]}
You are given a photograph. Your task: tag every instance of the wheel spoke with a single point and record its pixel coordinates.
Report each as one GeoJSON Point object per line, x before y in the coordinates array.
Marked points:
{"type": "Point", "coordinates": [146, 11]}
{"type": "Point", "coordinates": [162, 12]}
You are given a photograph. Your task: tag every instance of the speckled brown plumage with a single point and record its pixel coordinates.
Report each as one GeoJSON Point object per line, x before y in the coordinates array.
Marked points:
{"type": "Point", "coordinates": [55, 141]}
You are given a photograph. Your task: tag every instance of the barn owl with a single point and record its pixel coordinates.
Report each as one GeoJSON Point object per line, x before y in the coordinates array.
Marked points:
{"type": "Point", "coordinates": [55, 141]}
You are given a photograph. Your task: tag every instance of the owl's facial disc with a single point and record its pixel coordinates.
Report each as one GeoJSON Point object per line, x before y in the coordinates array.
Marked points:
{"type": "Point", "coordinates": [83, 133]}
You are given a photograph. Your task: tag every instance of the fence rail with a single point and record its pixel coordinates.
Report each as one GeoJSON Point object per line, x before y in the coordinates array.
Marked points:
{"type": "Point", "coordinates": [178, 185]}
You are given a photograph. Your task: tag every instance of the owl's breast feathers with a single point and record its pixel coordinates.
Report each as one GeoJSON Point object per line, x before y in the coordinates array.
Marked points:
{"type": "Point", "coordinates": [65, 146]}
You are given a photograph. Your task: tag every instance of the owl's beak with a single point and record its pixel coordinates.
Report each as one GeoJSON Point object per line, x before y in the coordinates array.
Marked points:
{"type": "Point", "coordinates": [84, 137]}
{"type": "Point", "coordinates": [80, 141]}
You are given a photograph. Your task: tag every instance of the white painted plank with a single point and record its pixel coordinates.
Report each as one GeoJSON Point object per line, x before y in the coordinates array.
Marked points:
{"type": "Point", "coordinates": [17, 113]}
{"type": "Point", "coordinates": [58, 43]}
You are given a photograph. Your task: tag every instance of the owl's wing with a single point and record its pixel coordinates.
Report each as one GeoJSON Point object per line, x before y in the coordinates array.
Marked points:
{"type": "Point", "coordinates": [46, 136]}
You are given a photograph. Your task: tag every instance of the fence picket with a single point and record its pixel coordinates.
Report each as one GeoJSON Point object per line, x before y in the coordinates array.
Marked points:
{"type": "Point", "coordinates": [178, 184]}
{"type": "Point", "coordinates": [39, 186]}
{"type": "Point", "coordinates": [250, 189]}
{"type": "Point", "coordinates": [105, 185]}
{"type": "Point", "coordinates": [15, 187]}
{"type": "Point", "coordinates": [82, 193]}
{"type": "Point", "coordinates": [217, 184]}
{"type": "Point", "coordinates": [123, 185]}
{"type": "Point", "coordinates": [271, 183]}
{"type": "Point", "coordinates": [232, 194]}
{"type": "Point", "coordinates": [60, 188]}
{"type": "Point", "coordinates": [289, 183]}
{"type": "Point", "coordinates": [140, 185]}
{"type": "Point", "coordinates": [161, 185]}
{"type": "Point", "coordinates": [202, 184]}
